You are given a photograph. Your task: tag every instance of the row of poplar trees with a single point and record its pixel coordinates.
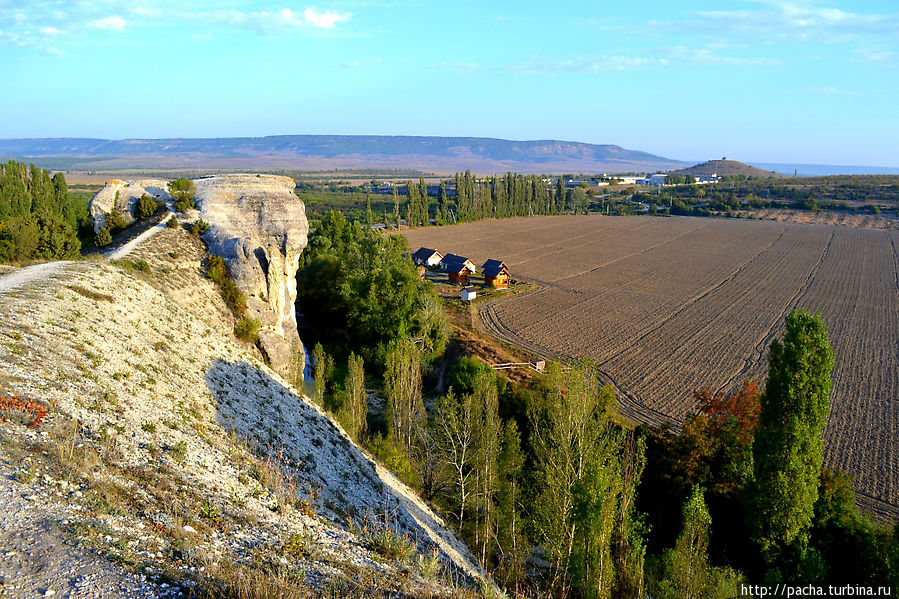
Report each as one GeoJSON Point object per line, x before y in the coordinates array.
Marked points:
{"type": "Point", "coordinates": [493, 197]}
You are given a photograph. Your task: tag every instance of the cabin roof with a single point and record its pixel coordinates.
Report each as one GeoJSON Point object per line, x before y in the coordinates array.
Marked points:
{"type": "Point", "coordinates": [425, 253]}
{"type": "Point", "coordinates": [452, 258]}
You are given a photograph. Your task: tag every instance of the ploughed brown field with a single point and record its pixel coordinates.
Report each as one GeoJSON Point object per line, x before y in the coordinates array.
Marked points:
{"type": "Point", "coordinates": [669, 305]}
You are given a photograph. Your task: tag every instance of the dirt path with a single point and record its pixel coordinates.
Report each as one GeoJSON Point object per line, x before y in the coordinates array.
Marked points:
{"type": "Point", "coordinates": [21, 276]}
{"type": "Point", "coordinates": [123, 251]}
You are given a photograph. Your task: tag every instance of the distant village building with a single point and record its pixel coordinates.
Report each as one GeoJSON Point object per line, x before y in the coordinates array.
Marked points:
{"type": "Point", "coordinates": [655, 180]}
{"type": "Point", "coordinates": [450, 261]}
{"type": "Point", "coordinates": [469, 293]}
{"type": "Point", "coordinates": [496, 274]}
{"type": "Point", "coordinates": [427, 257]}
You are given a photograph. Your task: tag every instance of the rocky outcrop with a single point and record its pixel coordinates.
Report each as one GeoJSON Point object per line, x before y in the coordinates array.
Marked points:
{"type": "Point", "coordinates": [258, 225]}
{"type": "Point", "coordinates": [122, 196]}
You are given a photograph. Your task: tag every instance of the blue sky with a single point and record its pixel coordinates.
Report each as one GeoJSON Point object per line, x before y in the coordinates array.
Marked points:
{"type": "Point", "coordinates": [813, 81]}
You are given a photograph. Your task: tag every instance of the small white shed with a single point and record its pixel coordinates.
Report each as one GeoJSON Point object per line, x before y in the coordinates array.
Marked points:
{"type": "Point", "coordinates": [469, 293]}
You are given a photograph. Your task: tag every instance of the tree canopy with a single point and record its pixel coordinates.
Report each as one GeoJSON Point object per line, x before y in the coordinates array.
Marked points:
{"type": "Point", "coordinates": [359, 291]}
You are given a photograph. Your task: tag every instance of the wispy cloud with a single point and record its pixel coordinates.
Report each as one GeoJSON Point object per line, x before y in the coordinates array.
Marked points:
{"type": "Point", "coordinates": [36, 22]}
{"type": "Point", "coordinates": [655, 58]}
{"type": "Point", "coordinates": [789, 19]}
{"type": "Point", "coordinates": [833, 91]}
{"type": "Point", "coordinates": [111, 23]}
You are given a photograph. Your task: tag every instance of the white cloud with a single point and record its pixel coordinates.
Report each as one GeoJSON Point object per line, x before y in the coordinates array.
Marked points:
{"type": "Point", "coordinates": [110, 23]}
{"type": "Point", "coordinates": [325, 20]}
{"type": "Point", "coordinates": [50, 31]}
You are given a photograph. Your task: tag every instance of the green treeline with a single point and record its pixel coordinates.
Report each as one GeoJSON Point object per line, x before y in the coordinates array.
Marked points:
{"type": "Point", "coordinates": [37, 219]}
{"type": "Point", "coordinates": [857, 193]}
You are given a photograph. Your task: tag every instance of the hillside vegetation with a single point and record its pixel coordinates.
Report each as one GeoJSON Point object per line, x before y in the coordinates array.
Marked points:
{"type": "Point", "coordinates": [140, 425]}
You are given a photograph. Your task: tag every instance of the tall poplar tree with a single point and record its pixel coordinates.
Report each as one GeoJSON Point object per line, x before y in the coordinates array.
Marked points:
{"type": "Point", "coordinates": [402, 383]}
{"type": "Point", "coordinates": [787, 450]}
{"type": "Point", "coordinates": [356, 399]}
{"type": "Point", "coordinates": [441, 202]}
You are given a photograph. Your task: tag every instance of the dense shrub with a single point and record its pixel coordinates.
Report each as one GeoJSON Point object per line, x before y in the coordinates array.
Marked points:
{"type": "Point", "coordinates": [147, 206]}
{"type": "Point", "coordinates": [103, 238]}
{"type": "Point", "coordinates": [183, 190]}
{"type": "Point", "coordinates": [247, 329]}
{"type": "Point", "coordinates": [115, 221]}
{"type": "Point", "coordinates": [199, 227]}
{"type": "Point", "coordinates": [37, 237]}
{"type": "Point", "coordinates": [218, 273]}
{"type": "Point", "coordinates": [172, 223]}
{"type": "Point", "coordinates": [183, 205]}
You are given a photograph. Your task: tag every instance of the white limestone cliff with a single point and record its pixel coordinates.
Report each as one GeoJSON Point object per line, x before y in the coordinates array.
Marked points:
{"type": "Point", "coordinates": [258, 225]}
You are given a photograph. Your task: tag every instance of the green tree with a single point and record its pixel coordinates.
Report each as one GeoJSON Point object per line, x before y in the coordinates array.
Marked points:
{"type": "Point", "coordinates": [687, 573]}
{"type": "Point", "coordinates": [183, 190]}
{"type": "Point", "coordinates": [441, 203]}
{"type": "Point", "coordinates": [146, 206]}
{"type": "Point", "coordinates": [787, 451]}
{"type": "Point", "coordinates": [324, 369]}
{"type": "Point", "coordinates": [567, 424]}
{"type": "Point", "coordinates": [512, 547]}
{"type": "Point", "coordinates": [402, 384]}
{"type": "Point", "coordinates": [455, 429]}
{"type": "Point", "coordinates": [103, 237]}
{"type": "Point", "coordinates": [356, 399]}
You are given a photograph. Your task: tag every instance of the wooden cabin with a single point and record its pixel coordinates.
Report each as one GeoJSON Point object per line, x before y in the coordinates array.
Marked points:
{"type": "Point", "coordinates": [427, 257]}
{"type": "Point", "coordinates": [496, 274]}
{"type": "Point", "coordinates": [458, 273]}
{"type": "Point", "coordinates": [469, 293]}
{"type": "Point", "coordinates": [451, 260]}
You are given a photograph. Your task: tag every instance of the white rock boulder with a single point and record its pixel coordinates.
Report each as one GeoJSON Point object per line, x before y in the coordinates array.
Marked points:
{"type": "Point", "coordinates": [122, 196]}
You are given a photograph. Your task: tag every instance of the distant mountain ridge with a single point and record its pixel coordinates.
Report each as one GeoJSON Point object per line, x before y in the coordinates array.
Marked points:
{"type": "Point", "coordinates": [439, 154]}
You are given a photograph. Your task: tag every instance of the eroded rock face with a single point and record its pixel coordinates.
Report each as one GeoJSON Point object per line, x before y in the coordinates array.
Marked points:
{"type": "Point", "coordinates": [258, 225]}
{"type": "Point", "coordinates": [123, 196]}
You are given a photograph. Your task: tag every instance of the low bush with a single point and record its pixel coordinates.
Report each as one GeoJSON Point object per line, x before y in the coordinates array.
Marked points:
{"type": "Point", "coordinates": [390, 545]}
{"type": "Point", "coordinates": [218, 273]}
{"type": "Point", "coordinates": [103, 238]}
{"type": "Point", "coordinates": [116, 221]}
{"type": "Point", "coordinates": [147, 206]}
{"type": "Point", "coordinates": [247, 329]}
{"type": "Point", "coordinates": [172, 223]}
{"type": "Point", "coordinates": [23, 410]}
{"type": "Point", "coordinates": [184, 205]}
{"type": "Point", "coordinates": [199, 227]}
